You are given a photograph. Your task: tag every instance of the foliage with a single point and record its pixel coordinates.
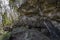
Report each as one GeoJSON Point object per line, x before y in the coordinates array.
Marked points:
{"type": "Point", "coordinates": [6, 21]}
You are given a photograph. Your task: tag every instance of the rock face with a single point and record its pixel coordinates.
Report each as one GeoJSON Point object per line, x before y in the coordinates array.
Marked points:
{"type": "Point", "coordinates": [45, 31]}
{"type": "Point", "coordinates": [27, 18]}
{"type": "Point", "coordinates": [29, 34]}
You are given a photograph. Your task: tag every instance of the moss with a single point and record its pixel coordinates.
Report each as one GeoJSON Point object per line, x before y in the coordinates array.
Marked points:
{"type": "Point", "coordinates": [5, 36]}
{"type": "Point", "coordinates": [12, 1]}
{"type": "Point", "coordinates": [6, 21]}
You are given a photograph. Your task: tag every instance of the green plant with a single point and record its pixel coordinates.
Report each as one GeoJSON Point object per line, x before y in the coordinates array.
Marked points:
{"type": "Point", "coordinates": [6, 21]}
